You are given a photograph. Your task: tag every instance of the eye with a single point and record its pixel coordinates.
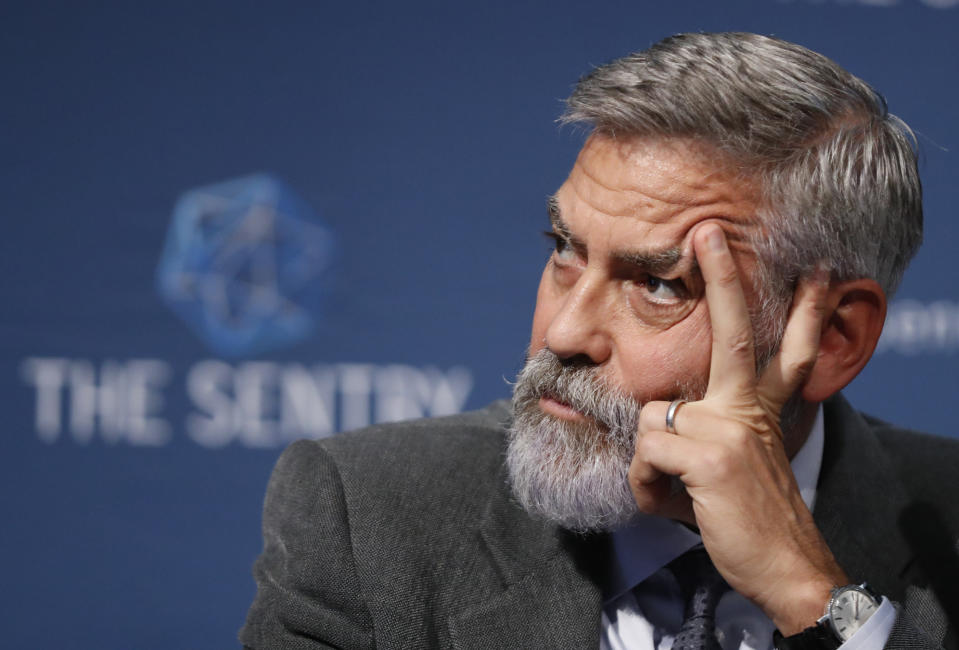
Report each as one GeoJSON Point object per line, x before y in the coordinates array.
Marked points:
{"type": "Point", "coordinates": [663, 291]}
{"type": "Point", "coordinates": [563, 252]}
{"type": "Point", "coordinates": [659, 302]}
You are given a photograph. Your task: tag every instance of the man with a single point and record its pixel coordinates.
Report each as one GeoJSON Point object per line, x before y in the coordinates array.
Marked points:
{"type": "Point", "coordinates": [725, 246]}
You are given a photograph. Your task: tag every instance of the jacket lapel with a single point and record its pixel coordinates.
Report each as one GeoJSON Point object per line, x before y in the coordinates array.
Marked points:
{"type": "Point", "coordinates": [548, 599]}
{"type": "Point", "coordinates": [858, 501]}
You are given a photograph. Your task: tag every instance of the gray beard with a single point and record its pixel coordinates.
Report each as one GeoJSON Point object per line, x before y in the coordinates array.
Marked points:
{"type": "Point", "coordinates": [574, 473]}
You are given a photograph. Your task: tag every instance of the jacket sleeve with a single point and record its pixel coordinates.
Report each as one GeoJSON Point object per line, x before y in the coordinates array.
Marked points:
{"type": "Point", "coordinates": [921, 623]}
{"type": "Point", "coordinates": [308, 593]}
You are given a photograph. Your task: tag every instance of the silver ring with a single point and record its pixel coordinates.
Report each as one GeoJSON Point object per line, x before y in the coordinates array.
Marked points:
{"type": "Point", "coordinates": [671, 414]}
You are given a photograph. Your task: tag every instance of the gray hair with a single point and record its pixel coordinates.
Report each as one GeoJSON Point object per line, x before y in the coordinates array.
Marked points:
{"type": "Point", "coordinates": [838, 176]}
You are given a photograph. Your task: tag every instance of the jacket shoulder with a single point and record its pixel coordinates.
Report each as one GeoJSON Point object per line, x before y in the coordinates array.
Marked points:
{"type": "Point", "coordinates": [420, 480]}
{"type": "Point", "coordinates": [930, 524]}
{"type": "Point", "coordinates": [418, 451]}
{"type": "Point", "coordinates": [926, 462]}
{"type": "Point", "coordinates": [370, 534]}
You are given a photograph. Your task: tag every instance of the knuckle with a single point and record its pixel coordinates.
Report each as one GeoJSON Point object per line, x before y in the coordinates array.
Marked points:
{"type": "Point", "coordinates": [645, 503]}
{"type": "Point", "coordinates": [646, 445]}
{"type": "Point", "coordinates": [727, 277]}
{"type": "Point", "coordinates": [648, 417]}
{"type": "Point", "coordinates": [817, 305]}
{"type": "Point", "coordinates": [800, 367]}
{"type": "Point", "coordinates": [740, 342]}
{"type": "Point", "coordinates": [647, 497]}
{"type": "Point", "coordinates": [740, 436]}
{"type": "Point", "coordinates": [720, 461]}
{"type": "Point", "coordinates": [756, 420]}
{"type": "Point", "coordinates": [737, 341]}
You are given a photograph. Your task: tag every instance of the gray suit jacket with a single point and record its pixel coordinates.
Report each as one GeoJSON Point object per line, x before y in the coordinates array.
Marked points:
{"type": "Point", "coordinates": [405, 536]}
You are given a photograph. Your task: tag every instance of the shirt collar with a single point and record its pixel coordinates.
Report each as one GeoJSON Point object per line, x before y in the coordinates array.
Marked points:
{"type": "Point", "coordinates": [649, 543]}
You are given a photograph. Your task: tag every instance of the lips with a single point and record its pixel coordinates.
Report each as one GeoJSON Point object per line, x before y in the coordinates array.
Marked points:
{"type": "Point", "coordinates": [555, 406]}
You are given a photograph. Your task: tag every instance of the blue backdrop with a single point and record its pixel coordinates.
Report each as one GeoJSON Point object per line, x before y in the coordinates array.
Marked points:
{"type": "Point", "coordinates": [231, 224]}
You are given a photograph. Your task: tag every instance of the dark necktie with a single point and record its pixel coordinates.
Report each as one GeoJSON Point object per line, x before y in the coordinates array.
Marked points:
{"type": "Point", "coordinates": [702, 586]}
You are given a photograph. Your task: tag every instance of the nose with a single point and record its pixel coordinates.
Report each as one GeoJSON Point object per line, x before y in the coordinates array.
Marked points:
{"type": "Point", "coordinates": [580, 328]}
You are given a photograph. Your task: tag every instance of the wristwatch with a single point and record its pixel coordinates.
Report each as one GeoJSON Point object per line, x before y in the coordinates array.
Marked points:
{"type": "Point", "coordinates": [848, 609]}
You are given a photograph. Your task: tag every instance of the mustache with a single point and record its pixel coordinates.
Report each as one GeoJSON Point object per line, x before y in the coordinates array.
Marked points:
{"type": "Point", "coordinates": [577, 384]}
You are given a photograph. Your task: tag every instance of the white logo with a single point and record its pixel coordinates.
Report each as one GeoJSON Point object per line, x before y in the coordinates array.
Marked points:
{"type": "Point", "coordinates": [913, 327]}
{"type": "Point", "coordinates": [258, 404]}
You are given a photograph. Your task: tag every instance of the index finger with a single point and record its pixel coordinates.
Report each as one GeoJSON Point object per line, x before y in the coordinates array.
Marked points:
{"type": "Point", "coordinates": [733, 359]}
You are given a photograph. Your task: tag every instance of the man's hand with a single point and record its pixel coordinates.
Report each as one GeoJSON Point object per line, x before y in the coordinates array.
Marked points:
{"type": "Point", "coordinates": [728, 452]}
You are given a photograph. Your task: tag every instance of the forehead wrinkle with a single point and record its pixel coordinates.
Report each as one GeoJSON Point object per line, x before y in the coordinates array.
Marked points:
{"type": "Point", "coordinates": [631, 202]}
{"type": "Point", "coordinates": [652, 260]}
{"type": "Point", "coordinates": [663, 182]}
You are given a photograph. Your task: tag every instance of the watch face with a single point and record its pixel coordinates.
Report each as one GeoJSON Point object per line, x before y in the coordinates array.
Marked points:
{"type": "Point", "coordinates": [849, 610]}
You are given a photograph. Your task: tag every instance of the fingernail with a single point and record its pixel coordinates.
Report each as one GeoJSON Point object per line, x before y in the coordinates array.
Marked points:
{"type": "Point", "coordinates": [715, 239]}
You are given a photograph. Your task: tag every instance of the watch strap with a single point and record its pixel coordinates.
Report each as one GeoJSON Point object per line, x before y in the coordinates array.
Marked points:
{"type": "Point", "coordinates": [816, 637]}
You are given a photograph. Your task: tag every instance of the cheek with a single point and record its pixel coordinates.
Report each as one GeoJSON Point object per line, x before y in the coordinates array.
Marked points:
{"type": "Point", "coordinates": [655, 367]}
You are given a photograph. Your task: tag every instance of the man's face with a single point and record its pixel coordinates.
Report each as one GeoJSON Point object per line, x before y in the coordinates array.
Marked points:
{"type": "Point", "coordinates": [622, 289]}
{"type": "Point", "coordinates": [621, 319]}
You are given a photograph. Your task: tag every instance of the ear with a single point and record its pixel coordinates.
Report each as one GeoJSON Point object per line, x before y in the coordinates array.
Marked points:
{"type": "Point", "coordinates": [852, 322]}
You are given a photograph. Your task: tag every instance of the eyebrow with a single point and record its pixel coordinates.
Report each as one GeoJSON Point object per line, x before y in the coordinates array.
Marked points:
{"type": "Point", "coordinates": [657, 262]}
{"type": "Point", "coordinates": [654, 261]}
{"type": "Point", "coordinates": [552, 210]}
